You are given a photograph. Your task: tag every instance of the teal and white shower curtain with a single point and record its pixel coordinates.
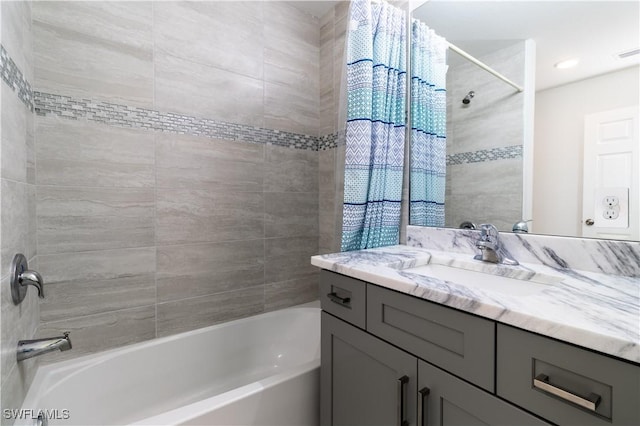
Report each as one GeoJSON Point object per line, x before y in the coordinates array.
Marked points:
{"type": "Point", "coordinates": [375, 130]}
{"type": "Point", "coordinates": [428, 126]}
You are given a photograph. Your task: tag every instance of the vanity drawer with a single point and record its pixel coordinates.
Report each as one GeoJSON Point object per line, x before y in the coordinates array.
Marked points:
{"type": "Point", "coordinates": [459, 343]}
{"type": "Point", "coordinates": [554, 380]}
{"type": "Point", "coordinates": [344, 297]}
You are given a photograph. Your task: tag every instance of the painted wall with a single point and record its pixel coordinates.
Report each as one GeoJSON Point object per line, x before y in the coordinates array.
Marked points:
{"type": "Point", "coordinates": [558, 147]}
{"type": "Point", "coordinates": [17, 198]}
{"type": "Point", "coordinates": [177, 171]}
{"type": "Point", "coordinates": [484, 141]}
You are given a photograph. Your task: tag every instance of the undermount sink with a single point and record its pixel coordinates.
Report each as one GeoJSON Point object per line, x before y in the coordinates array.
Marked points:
{"type": "Point", "coordinates": [528, 283]}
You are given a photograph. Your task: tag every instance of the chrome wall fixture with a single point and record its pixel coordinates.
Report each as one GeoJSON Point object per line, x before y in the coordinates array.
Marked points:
{"type": "Point", "coordinates": [32, 348]}
{"type": "Point", "coordinates": [22, 277]}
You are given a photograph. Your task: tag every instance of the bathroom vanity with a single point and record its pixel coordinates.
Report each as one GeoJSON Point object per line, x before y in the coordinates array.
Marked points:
{"type": "Point", "coordinates": [407, 341]}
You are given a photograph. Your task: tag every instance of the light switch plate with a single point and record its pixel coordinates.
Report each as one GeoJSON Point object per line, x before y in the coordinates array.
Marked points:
{"type": "Point", "coordinates": [611, 207]}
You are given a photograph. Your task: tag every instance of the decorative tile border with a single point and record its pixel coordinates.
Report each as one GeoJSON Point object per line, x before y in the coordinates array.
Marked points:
{"type": "Point", "coordinates": [331, 141]}
{"type": "Point", "coordinates": [142, 118]}
{"type": "Point", "coordinates": [484, 155]}
{"type": "Point", "coordinates": [15, 79]}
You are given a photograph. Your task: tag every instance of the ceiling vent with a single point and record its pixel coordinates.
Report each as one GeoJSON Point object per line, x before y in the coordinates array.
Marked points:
{"type": "Point", "coordinates": [628, 53]}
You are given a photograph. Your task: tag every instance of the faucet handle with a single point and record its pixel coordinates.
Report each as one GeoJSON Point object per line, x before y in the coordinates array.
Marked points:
{"type": "Point", "coordinates": [21, 277]}
{"type": "Point", "coordinates": [488, 232]}
{"type": "Point", "coordinates": [33, 278]}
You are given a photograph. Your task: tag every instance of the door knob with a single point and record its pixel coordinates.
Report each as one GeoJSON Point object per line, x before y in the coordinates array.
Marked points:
{"type": "Point", "coordinates": [589, 222]}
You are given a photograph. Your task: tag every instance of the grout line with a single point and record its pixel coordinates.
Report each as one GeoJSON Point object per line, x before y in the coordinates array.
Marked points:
{"type": "Point", "coordinates": [115, 311]}
{"type": "Point", "coordinates": [155, 170]}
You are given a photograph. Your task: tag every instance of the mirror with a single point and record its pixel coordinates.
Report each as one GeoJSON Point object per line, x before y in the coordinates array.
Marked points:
{"type": "Point", "coordinates": [519, 156]}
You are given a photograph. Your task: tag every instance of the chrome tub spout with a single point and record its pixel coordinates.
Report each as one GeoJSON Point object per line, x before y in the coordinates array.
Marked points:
{"type": "Point", "coordinates": [30, 348]}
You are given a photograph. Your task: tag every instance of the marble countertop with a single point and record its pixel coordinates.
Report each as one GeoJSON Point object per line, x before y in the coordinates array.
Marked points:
{"type": "Point", "coordinates": [592, 310]}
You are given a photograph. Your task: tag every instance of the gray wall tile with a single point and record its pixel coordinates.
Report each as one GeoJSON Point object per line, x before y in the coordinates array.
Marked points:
{"type": "Point", "coordinates": [326, 170]}
{"type": "Point", "coordinates": [294, 65]}
{"type": "Point", "coordinates": [15, 135]}
{"type": "Point", "coordinates": [82, 219]}
{"type": "Point", "coordinates": [14, 223]}
{"type": "Point", "coordinates": [204, 91]}
{"type": "Point", "coordinates": [31, 149]}
{"type": "Point", "coordinates": [286, 23]}
{"type": "Point", "coordinates": [113, 40]}
{"type": "Point", "coordinates": [190, 216]}
{"type": "Point", "coordinates": [329, 237]}
{"type": "Point", "coordinates": [80, 153]}
{"type": "Point", "coordinates": [292, 292]}
{"type": "Point", "coordinates": [486, 188]}
{"type": "Point", "coordinates": [16, 34]}
{"type": "Point", "coordinates": [32, 222]}
{"type": "Point", "coordinates": [159, 220]}
{"type": "Point", "coordinates": [97, 333]}
{"type": "Point", "coordinates": [16, 386]}
{"type": "Point", "coordinates": [486, 192]}
{"type": "Point", "coordinates": [80, 284]}
{"type": "Point", "coordinates": [18, 323]}
{"type": "Point", "coordinates": [290, 170]}
{"type": "Point", "coordinates": [188, 314]}
{"type": "Point", "coordinates": [288, 258]}
{"type": "Point", "coordinates": [291, 214]}
{"type": "Point", "coordinates": [288, 109]}
{"type": "Point", "coordinates": [212, 33]}
{"type": "Point", "coordinates": [215, 165]}
{"type": "Point", "coordinates": [291, 92]}
{"type": "Point", "coordinates": [17, 206]}
{"type": "Point", "coordinates": [186, 271]}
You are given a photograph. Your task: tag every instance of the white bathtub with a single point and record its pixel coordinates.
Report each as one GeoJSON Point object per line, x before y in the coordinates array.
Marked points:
{"type": "Point", "coordinates": [262, 370]}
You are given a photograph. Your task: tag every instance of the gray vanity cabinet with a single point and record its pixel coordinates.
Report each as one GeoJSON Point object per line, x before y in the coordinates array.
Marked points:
{"type": "Point", "coordinates": [564, 383]}
{"type": "Point", "coordinates": [389, 358]}
{"type": "Point", "coordinates": [364, 380]}
{"type": "Point", "coordinates": [445, 400]}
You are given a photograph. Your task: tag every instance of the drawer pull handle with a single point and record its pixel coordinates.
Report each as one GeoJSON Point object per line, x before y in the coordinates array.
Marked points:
{"type": "Point", "coordinates": [344, 301]}
{"type": "Point", "coordinates": [423, 394]}
{"type": "Point", "coordinates": [542, 382]}
{"type": "Point", "coordinates": [402, 381]}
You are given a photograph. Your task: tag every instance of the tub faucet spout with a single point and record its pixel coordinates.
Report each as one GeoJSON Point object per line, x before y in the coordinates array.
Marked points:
{"type": "Point", "coordinates": [30, 348]}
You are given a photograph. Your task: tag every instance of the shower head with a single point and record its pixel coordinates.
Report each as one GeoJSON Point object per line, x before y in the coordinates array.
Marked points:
{"type": "Point", "coordinates": [467, 99]}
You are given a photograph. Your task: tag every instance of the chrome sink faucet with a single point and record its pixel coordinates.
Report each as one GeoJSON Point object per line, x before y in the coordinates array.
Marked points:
{"type": "Point", "coordinates": [30, 348]}
{"type": "Point", "coordinates": [491, 249]}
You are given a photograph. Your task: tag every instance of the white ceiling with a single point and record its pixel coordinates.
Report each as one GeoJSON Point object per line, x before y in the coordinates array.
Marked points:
{"type": "Point", "coordinates": [595, 31]}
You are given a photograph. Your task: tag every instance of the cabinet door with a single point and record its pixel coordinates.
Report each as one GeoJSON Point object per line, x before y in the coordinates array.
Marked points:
{"type": "Point", "coordinates": [451, 402]}
{"type": "Point", "coordinates": [364, 380]}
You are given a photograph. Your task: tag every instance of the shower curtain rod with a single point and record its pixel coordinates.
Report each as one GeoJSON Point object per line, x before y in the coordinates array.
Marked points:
{"type": "Point", "coordinates": [484, 66]}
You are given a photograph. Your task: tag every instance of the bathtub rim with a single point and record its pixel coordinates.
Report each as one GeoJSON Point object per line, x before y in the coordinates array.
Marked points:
{"type": "Point", "coordinates": [49, 376]}
{"type": "Point", "coordinates": [197, 409]}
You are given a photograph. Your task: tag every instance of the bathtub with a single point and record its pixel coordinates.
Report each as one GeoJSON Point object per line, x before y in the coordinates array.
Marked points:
{"type": "Point", "coordinates": [262, 370]}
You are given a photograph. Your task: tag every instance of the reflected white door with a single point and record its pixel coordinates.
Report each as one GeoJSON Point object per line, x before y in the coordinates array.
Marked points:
{"type": "Point", "coordinates": [611, 175]}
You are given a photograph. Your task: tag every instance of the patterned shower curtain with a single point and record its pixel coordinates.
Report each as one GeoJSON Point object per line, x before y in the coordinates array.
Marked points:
{"type": "Point", "coordinates": [428, 126]}
{"type": "Point", "coordinates": [375, 132]}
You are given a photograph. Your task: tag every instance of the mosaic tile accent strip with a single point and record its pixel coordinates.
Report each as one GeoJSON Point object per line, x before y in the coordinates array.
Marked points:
{"type": "Point", "coordinates": [142, 118]}
{"type": "Point", "coordinates": [15, 79]}
{"type": "Point", "coordinates": [484, 155]}
{"type": "Point", "coordinates": [331, 141]}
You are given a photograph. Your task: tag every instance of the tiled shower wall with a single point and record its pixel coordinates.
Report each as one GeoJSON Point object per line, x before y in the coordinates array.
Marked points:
{"type": "Point", "coordinates": [17, 199]}
{"type": "Point", "coordinates": [333, 27]}
{"type": "Point", "coordinates": [177, 176]}
{"type": "Point", "coordinates": [484, 142]}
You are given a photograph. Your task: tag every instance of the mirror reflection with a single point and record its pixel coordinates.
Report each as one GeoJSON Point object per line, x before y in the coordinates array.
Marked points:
{"type": "Point", "coordinates": [535, 158]}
